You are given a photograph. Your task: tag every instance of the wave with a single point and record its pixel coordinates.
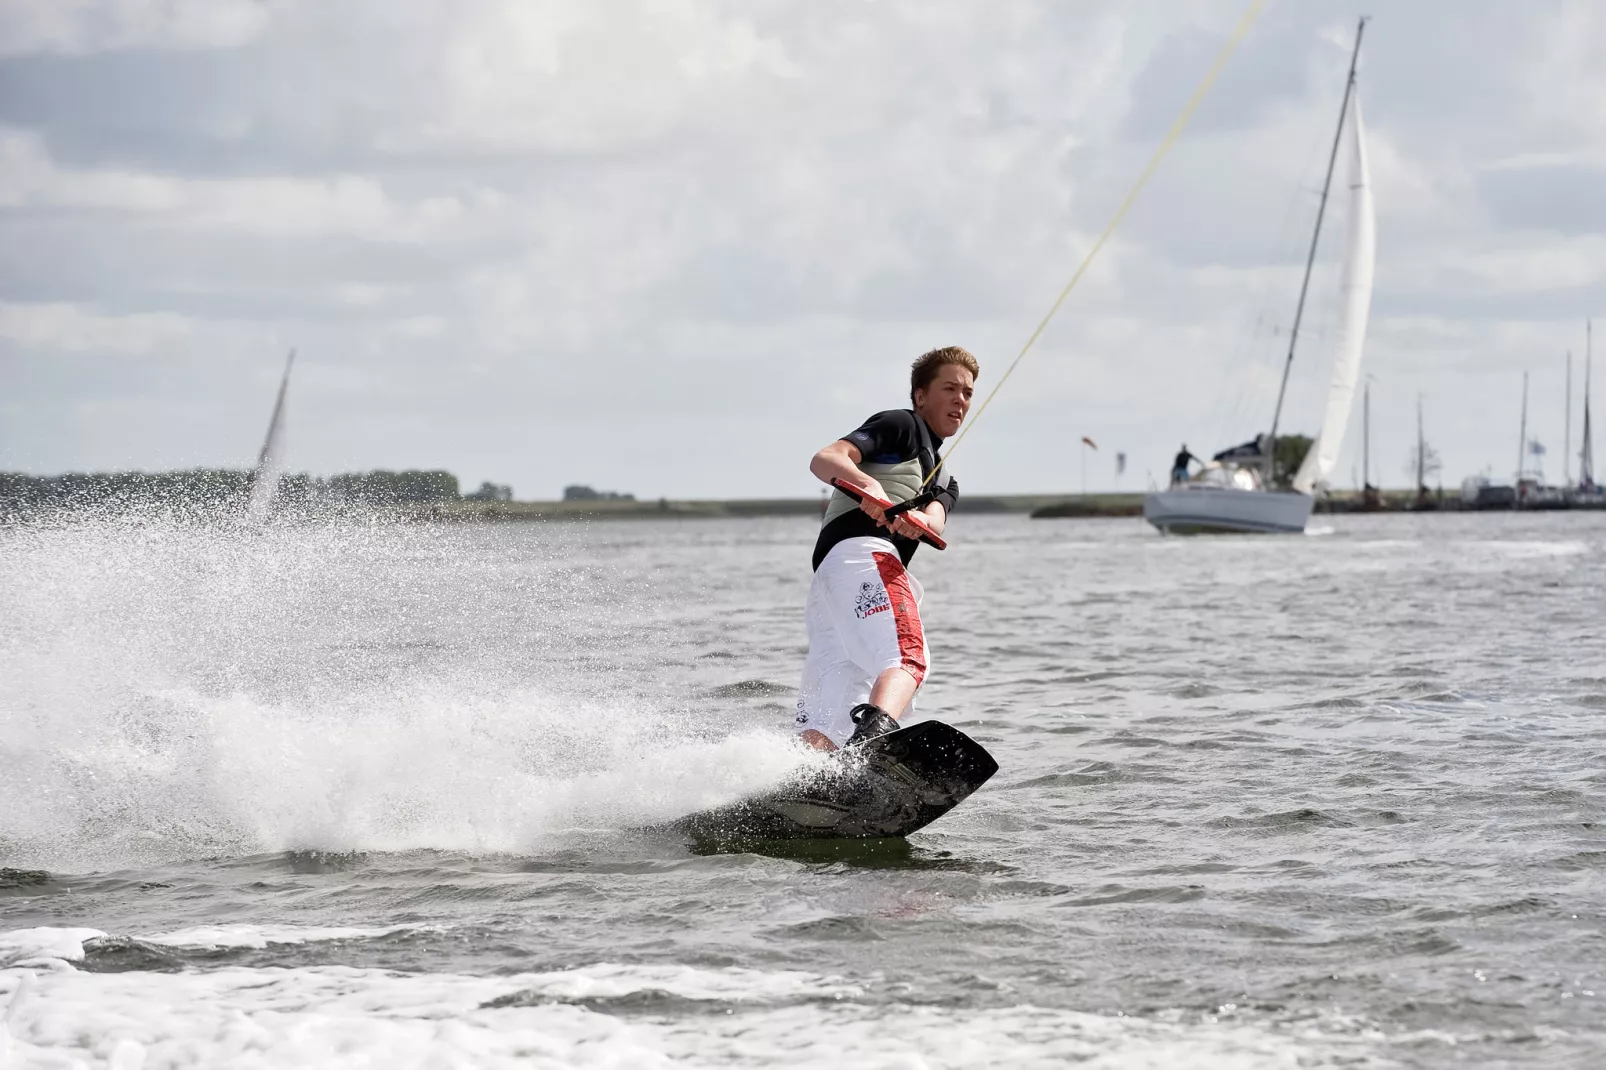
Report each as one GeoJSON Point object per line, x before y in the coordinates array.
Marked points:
{"type": "Point", "coordinates": [601, 1014]}
{"type": "Point", "coordinates": [181, 691]}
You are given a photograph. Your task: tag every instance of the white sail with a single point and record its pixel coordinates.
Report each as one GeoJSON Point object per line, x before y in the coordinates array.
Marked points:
{"type": "Point", "coordinates": [1355, 297]}
{"type": "Point", "coordinates": [270, 461]}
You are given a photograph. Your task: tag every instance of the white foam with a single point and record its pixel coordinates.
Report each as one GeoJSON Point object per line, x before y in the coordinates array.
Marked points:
{"type": "Point", "coordinates": [1531, 548]}
{"type": "Point", "coordinates": [333, 1016]}
{"type": "Point", "coordinates": [44, 947]}
{"type": "Point", "coordinates": [304, 1018]}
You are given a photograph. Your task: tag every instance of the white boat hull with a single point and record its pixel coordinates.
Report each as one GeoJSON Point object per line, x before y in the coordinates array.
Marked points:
{"type": "Point", "coordinates": [1199, 510]}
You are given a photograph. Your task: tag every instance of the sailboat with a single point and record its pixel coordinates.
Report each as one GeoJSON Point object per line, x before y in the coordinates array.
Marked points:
{"type": "Point", "coordinates": [270, 460]}
{"type": "Point", "coordinates": [1234, 491]}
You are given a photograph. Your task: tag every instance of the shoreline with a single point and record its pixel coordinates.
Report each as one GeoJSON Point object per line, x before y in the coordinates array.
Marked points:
{"type": "Point", "coordinates": [710, 507]}
{"type": "Point", "coordinates": [1037, 506]}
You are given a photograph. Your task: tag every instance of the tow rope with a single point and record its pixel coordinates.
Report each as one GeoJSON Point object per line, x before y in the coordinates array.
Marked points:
{"type": "Point", "coordinates": [1238, 34]}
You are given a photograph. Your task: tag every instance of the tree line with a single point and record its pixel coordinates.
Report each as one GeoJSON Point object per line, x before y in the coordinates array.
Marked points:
{"type": "Point", "coordinates": [204, 487]}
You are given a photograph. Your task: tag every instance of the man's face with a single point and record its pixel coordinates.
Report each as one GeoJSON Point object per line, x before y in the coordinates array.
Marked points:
{"type": "Point", "coordinates": [945, 402]}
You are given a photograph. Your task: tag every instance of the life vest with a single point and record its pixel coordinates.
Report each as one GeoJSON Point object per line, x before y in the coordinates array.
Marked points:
{"type": "Point", "coordinates": [901, 480]}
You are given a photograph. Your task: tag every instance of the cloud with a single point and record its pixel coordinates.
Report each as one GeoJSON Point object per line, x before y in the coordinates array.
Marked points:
{"type": "Point", "coordinates": [338, 205]}
{"type": "Point", "coordinates": [93, 26]}
{"type": "Point", "coordinates": [1549, 193]}
{"type": "Point", "coordinates": [559, 78]}
{"type": "Point", "coordinates": [75, 329]}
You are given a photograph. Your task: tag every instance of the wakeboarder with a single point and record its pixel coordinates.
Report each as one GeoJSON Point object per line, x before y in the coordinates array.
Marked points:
{"type": "Point", "coordinates": [867, 649]}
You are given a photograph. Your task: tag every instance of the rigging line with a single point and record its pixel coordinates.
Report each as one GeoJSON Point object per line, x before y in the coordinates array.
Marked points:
{"type": "Point", "coordinates": [1238, 34]}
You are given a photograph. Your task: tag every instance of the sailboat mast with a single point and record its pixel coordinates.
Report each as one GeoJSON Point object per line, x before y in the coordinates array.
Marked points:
{"type": "Point", "coordinates": [1366, 435]}
{"type": "Point", "coordinates": [1315, 238]}
{"type": "Point", "coordinates": [265, 481]}
{"type": "Point", "coordinates": [1421, 451]}
{"type": "Point", "coordinates": [1586, 452]}
{"type": "Point", "coordinates": [278, 413]}
{"type": "Point", "coordinates": [1522, 435]}
{"type": "Point", "coordinates": [1567, 433]}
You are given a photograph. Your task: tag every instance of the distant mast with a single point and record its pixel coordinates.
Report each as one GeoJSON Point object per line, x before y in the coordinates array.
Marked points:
{"type": "Point", "coordinates": [270, 460]}
{"type": "Point", "coordinates": [1366, 435]}
{"type": "Point", "coordinates": [1586, 452]}
{"type": "Point", "coordinates": [1567, 433]}
{"type": "Point", "coordinates": [1421, 452]}
{"type": "Point", "coordinates": [1522, 435]}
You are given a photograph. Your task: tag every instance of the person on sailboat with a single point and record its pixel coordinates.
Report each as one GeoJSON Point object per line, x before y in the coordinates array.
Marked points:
{"type": "Point", "coordinates": [1179, 466]}
{"type": "Point", "coordinates": [867, 649]}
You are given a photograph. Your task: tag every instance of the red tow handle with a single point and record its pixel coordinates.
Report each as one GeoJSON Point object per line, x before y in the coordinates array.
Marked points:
{"type": "Point", "coordinates": [858, 494]}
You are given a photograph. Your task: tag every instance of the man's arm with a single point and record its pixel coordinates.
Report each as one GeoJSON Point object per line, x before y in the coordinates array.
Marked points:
{"type": "Point", "coordinates": [936, 517]}
{"type": "Point", "coordinates": [894, 432]}
{"type": "Point", "coordinates": [944, 497]}
{"type": "Point", "coordinates": [840, 460]}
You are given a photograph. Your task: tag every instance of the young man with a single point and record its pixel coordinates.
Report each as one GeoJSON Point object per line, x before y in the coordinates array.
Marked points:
{"type": "Point", "coordinates": [867, 651]}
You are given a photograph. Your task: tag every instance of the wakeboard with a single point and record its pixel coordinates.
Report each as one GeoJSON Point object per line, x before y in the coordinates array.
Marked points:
{"type": "Point", "coordinates": [885, 787]}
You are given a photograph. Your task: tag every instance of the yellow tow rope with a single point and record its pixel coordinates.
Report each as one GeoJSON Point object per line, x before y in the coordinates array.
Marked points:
{"type": "Point", "coordinates": [1242, 30]}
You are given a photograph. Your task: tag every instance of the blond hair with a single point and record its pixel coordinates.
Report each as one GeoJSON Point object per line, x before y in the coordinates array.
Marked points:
{"type": "Point", "coordinates": [925, 368]}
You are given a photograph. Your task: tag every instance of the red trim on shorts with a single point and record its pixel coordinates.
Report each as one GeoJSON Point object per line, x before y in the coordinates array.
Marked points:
{"type": "Point", "coordinates": [911, 637]}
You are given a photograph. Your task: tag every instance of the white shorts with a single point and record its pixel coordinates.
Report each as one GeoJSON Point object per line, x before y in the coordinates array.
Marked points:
{"type": "Point", "coordinates": [863, 618]}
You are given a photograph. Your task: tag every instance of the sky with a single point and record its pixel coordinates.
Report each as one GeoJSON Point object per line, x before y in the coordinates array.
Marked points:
{"type": "Point", "coordinates": [672, 247]}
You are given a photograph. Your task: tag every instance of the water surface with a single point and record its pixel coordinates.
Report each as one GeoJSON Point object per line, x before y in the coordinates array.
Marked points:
{"type": "Point", "coordinates": [334, 796]}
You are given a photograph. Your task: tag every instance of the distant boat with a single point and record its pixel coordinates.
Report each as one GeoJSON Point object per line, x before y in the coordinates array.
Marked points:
{"type": "Point", "coordinates": [1477, 492]}
{"type": "Point", "coordinates": [1532, 493]}
{"type": "Point", "coordinates": [270, 460]}
{"type": "Point", "coordinates": [1234, 491]}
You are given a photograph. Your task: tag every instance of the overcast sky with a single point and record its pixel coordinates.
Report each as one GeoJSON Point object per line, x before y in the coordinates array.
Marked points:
{"type": "Point", "coordinates": [673, 247]}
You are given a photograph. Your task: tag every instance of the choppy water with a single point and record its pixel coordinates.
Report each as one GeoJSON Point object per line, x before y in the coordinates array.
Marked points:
{"type": "Point", "coordinates": [365, 796]}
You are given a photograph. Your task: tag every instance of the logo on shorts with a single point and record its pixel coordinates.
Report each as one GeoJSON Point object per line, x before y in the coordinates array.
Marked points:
{"type": "Point", "coordinates": [872, 600]}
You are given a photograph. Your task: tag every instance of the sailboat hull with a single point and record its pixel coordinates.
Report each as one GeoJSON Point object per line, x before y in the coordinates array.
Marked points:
{"type": "Point", "coordinates": [1208, 510]}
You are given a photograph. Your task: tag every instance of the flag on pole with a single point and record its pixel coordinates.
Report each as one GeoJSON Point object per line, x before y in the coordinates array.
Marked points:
{"type": "Point", "coordinates": [1089, 442]}
{"type": "Point", "coordinates": [1536, 447]}
{"type": "Point", "coordinates": [1120, 463]}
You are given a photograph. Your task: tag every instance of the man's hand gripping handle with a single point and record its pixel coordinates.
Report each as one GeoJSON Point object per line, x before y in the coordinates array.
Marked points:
{"type": "Point", "coordinates": [927, 536]}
